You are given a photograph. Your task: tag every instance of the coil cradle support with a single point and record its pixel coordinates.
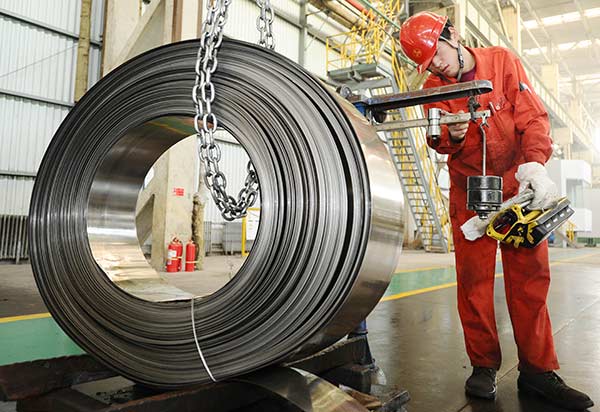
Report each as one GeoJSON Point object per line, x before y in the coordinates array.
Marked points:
{"type": "Point", "coordinates": [329, 238]}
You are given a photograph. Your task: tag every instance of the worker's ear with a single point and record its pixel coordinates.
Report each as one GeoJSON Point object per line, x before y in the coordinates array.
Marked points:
{"type": "Point", "coordinates": [454, 37]}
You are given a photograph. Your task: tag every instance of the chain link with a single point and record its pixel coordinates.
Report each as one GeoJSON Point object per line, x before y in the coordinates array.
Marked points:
{"type": "Point", "coordinates": [206, 122]}
{"type": "Point", "coordinates": [264, 24]}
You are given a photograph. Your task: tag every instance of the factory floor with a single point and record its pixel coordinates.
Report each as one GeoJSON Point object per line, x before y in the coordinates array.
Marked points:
{"type": "Point", "coordinates": [414, 332]}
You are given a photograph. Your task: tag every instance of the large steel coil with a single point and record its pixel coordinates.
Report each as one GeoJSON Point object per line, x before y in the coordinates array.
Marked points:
{"type": "Point", "coordinates": [328, 241]}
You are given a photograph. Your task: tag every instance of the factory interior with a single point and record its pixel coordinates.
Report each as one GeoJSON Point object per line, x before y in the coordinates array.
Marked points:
{"type": "Point", "coordinates": [299, 205]}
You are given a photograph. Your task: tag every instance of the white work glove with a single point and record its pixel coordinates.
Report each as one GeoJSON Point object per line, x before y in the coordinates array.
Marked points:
{"type": "Point", "coordinates": [535, 176]}
{"type": "Point", "coordinates": [475, 227]}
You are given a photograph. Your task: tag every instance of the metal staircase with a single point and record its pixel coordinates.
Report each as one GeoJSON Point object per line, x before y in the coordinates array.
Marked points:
{"type": "Point", "coordinates": [357, 59]}
{"type": "Point", "coordinates": [417, 174]}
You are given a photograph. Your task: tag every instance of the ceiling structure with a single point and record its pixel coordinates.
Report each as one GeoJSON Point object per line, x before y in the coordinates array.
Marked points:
{"type": "Point", "coordinates": [566, 32]}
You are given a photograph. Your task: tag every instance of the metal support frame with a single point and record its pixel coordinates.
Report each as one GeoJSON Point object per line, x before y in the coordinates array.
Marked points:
{"type": "Point", "coordinates": [303, 32]}
{"type": "Point", "coordinates": [359, 67]}
{"type": "Point", "coordinates": [39, 99]}
{"type": "Point", "coordinates": [83, 50]}
{"type": "Point", "coordinates": [46, 385]}
{"type": "Point", "coordinates": [413, 98]}
{"type": "Point", "coordinates": [17, 173]}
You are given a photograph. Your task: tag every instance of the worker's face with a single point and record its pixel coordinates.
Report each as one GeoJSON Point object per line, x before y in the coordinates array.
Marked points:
{"type": "Point", "coordinates": [445, 60]}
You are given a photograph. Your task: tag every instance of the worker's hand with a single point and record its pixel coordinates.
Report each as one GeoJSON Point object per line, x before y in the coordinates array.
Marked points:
{"type": "Point", "coordinates": [475, 227]}
{"type": "Point", "coordinates": [458, 130]}
{"type": "Point", "coordinates": [535, 176]}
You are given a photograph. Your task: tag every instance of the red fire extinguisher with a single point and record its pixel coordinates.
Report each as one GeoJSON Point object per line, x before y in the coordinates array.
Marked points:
{"type": "Point", "coordinates": [190, 256]}
{"type": "Point", "coordinates": [174, 251]}
{"type": "Point", "coordinates": [179, 249]}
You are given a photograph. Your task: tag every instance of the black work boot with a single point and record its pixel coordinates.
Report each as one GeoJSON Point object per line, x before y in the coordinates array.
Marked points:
{"type": "Point", "coordinates": [482, 383]}
{"type": "Point", "coordinates": [554, 389]}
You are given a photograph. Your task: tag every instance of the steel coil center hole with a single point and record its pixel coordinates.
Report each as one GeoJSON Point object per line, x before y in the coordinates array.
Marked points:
{"type": "Point", "coordinates": [153, 225]}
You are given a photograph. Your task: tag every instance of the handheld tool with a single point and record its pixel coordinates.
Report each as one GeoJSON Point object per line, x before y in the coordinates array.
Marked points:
{"type": "Point", "coordinates": [528, 228]}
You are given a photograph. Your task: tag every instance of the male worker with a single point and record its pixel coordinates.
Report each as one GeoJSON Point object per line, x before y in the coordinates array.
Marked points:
{"type": "Point", "coordinates": [518, 146]}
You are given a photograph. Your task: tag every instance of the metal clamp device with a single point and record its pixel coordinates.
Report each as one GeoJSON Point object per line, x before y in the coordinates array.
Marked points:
{"type": "Point", "coordinates": [484, 193]}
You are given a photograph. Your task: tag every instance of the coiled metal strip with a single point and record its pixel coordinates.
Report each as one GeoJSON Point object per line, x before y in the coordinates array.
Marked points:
{"type": "Point", "coordinates": [329, 236]}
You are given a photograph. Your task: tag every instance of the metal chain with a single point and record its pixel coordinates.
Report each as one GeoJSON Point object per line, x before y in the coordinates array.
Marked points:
{"type": "Point", "coordinates": [205, 121]}
{"type": "Point", "coordinates": [264, 24]}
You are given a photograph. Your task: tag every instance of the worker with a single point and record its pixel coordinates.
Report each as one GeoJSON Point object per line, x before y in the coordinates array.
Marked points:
{"type": "Point", "coordinates": [518, 146]}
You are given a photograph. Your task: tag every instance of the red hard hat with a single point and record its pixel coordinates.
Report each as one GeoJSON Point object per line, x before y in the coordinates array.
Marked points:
{"type": "Point", "coordinates": [419, 37]}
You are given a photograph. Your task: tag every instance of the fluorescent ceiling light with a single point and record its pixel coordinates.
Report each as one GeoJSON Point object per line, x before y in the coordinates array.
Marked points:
{"type": "Point", "coordinates": [562, 47]}
{"type": "Point", "coordinates": [589, 13]}
{"type": "Point", "coordinates": [535, 52]}
{"type": "Point", "coordinates": [563, 18]}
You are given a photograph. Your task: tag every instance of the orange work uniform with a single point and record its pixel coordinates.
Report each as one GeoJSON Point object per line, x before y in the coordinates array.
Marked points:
{"type": "Point", "coordinates": [519, 132]}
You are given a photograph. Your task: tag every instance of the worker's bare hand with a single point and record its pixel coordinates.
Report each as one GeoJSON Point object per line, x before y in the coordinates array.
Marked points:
{"type": "Point", "coordinates": [458, 130]}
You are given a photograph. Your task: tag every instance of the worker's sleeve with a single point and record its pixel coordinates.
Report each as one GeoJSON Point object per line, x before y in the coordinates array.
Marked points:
{"type": "Point", "coordinates": [445, 144]}
{"type": "Point", "coordinates": [530, 115]}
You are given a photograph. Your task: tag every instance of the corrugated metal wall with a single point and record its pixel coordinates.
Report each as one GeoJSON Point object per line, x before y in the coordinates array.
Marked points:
{"type": "Point", "coordinates": [38, 56]}
{"type": "Point", "coordinates": [242, 25]}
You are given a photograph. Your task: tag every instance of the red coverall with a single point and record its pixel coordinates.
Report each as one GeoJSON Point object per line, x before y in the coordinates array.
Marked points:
{"type": "Point", "coordinates": [518, 133]}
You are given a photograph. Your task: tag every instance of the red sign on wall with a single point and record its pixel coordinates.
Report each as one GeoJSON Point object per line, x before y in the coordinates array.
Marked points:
{"type": "Point", "coordinates": [178, 191]}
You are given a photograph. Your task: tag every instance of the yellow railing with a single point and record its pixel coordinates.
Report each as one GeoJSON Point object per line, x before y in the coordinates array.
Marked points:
{"type": "Point", "coordinates": [570, 230]}
{"type": "Point", "coordinates": [346, 49]}
{"type": "Point", "coordinates": [363, 44]}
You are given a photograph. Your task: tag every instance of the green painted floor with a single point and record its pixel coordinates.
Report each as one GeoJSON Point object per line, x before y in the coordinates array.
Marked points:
{"type": "Point", "coordinates": [30, 339]}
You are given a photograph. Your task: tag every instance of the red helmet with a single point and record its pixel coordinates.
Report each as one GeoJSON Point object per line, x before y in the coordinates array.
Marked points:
{"type": "Point", "coordinates": [419, 37]}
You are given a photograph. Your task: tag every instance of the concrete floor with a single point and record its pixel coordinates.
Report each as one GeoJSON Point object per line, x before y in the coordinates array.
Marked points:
{"type": "Point", "coordinates": [417, 340]}
{"type": "Point", "coordinates": [19, 295]}
{"type": "Point", "coordinates": [415, 333]}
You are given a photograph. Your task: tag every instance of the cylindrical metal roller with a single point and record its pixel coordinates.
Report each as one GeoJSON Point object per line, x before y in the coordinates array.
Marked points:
{"type": "Point", "coordinates": [484, 194]}
{"type": "Point", "coordinates": [434, 130]}
{"type": "Point", "coordinates": [329, 237]}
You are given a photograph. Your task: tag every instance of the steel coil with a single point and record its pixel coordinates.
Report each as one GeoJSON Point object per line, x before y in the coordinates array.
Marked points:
{"type": "Point", "coordinates": [329, 237]}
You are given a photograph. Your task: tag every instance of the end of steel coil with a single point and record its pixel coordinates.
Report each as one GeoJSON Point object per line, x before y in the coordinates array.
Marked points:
{"type": "Point", "coordinates": [329, 237]}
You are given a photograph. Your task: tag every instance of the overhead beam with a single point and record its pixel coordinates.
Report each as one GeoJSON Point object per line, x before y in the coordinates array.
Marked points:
{"type": "Point", "coordinates": [588, 31]}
